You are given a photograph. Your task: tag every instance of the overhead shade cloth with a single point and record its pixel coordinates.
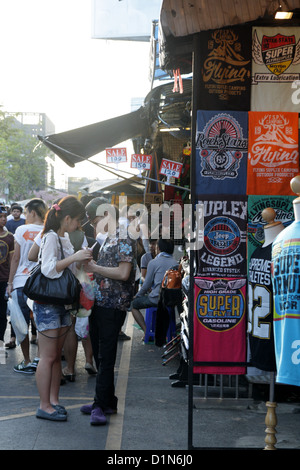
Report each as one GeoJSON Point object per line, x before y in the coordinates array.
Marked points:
{"type": "Point", "coordinates": [77, 145]}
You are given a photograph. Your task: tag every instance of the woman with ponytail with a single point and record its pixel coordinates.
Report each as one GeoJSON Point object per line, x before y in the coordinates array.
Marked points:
{"type": "Point", "coordinates": [53, 321]}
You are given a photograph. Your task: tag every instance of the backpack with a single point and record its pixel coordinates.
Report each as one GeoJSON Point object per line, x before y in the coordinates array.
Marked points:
{"type": "Point", "coordinates": [173, 278]}
{"type": "Point", "coordinates": [171, 292]}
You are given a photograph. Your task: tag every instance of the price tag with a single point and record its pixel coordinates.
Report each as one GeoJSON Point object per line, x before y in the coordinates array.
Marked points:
{"type": "Point", "coordinates": [116, 155]}
{"type": "Point", "coordinates": [141, 162]}
{"type": "Point", "coordinates": [170, 169]}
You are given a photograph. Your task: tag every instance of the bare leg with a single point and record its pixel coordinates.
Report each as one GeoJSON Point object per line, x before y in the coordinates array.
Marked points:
{"type": "Point", "coordinates": [25, 349]}
{"type": "Point", "coordinates": [88, 351]}
{"type": "Point", "coordinates": [48, 373]}
{"type": "Point", "coordinates": [70, 350]}
{"type": "Point", "coordinates": [139, 318]}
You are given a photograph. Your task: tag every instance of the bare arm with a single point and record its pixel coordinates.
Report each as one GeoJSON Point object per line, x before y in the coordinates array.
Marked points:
{"type": "Point", "coordinates": [118, 273]}
{"type": "Point", "coordinates": [13, 267]}
{"type": "Point", "coordinates": [33, 252]}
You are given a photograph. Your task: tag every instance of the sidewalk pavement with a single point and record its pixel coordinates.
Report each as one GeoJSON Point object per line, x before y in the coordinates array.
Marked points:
{"type": "Point", "coordinates": [152, 415]}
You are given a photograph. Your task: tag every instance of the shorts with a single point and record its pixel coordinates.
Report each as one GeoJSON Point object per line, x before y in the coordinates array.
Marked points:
{"type": "Point", "coordinates": [142, 301]}
{"type": "Point", "coordinates": [50, 317]}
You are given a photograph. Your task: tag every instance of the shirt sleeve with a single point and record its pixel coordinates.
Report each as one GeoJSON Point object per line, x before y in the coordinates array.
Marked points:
{"type": "Point", "coordinates": [147, 284]}
{"type": "Point", "coordinates": [49, 256]}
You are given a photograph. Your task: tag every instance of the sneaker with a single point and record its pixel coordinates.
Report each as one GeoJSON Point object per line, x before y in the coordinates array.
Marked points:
{"type": "Point", "coordinates": [98, 418]}
{"type": "Point", "coordinates": [25, 369]}
{"type": "Point", "coordinates": [35, 362]}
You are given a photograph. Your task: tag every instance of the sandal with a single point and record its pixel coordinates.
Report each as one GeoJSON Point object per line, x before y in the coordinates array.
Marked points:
{"type": "Point", "coordinates": [69, 377]}
{"type": "Point", "coordinates": [90, 369]}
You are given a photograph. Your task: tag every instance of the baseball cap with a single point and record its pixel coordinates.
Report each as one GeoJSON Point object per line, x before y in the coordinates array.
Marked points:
{"type": "Point", "coordinates": [91, 207]}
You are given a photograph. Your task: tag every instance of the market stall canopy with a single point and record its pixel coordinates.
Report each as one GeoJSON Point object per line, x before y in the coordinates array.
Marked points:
{"type": "Point", "coordinates": [128, 186]}
{"type": "Point", "coordinates": [179, 21]}
{"type": "Point", "coordinates": [79, 144]}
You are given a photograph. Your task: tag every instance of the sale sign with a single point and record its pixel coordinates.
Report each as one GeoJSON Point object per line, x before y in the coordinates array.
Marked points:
{"type": "Point", "coordinates": [141, 161]}
{"type": "Point", "coordinates": [116, 155]}
{"type": "Point", "coordinates": [170, 169]}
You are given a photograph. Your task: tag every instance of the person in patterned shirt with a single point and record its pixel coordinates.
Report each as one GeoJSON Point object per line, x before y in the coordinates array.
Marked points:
{"type": "Point", "coordinates": [114, 279]}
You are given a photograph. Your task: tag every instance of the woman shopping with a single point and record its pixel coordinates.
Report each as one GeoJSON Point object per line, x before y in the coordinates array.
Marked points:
{"type": "Point", "coordinates": [53, 321]}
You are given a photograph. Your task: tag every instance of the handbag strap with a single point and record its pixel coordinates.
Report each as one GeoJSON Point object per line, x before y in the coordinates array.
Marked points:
{"type": "Point", "coordinates": [61, 248]}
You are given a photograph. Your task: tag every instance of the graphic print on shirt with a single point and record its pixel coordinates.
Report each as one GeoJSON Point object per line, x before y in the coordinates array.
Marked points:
{"type": "Point", "coordinates": [286, 286]}
{"type": "Point", "coordinates": [224, 248]}
{"type": "Point", "coordinates": [283, 207]}
{"type": "Point", "coordinates": [221, 152]}
{"type": "Point", "coordinates": [225, 68]}
{"type": "Point", "coordinates": [260, 310]}
{"type": "Point", "coordinates": [273, 157]}
{"type": "Point", "coordinates": [275, 69]}
{"type": "Point", "coordinates": [286, 272]}
{"type": "Point", "coordinates": [220, 323]}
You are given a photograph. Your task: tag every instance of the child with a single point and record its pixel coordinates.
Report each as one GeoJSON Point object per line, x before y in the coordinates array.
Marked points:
{"type": "Point", "coordinates": [53, 321]}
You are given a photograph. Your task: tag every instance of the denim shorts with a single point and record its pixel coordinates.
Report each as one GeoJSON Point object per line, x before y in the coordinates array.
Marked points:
{"type": "Point", "coordinates": [50, 317]}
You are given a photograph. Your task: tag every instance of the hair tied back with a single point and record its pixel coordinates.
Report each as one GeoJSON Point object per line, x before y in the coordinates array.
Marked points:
{"type": "Point", "coordinates": [56, 207]}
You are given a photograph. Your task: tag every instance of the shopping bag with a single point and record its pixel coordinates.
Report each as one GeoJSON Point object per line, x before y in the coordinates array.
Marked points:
{"type": "Point", "coordinates": [17, 319]}
{"type": "Point", "coordinates": [82, 327]}
{"type": "Point", "coordinates": [87, 296]}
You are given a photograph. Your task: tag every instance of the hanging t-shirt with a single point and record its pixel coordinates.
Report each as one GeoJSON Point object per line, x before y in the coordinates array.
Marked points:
{"type": "Point", "coordinates": [260, 310]}
{"type": "Point", "coordinates": [220, 325]}
{"type": "Point", "coordinates": [24, 236]}
{"type": "Point", "coordinates": [286, 286]}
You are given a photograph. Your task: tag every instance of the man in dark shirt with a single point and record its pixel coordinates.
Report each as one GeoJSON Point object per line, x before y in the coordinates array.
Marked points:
{"type": "Point", "coordinates": [17, 220]}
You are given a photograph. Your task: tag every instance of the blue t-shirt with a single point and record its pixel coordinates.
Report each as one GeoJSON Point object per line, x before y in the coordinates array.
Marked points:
{"type": "Point", "coordinates": [13, 224]}
{"type": "Point", "coordinates": [286, 287]}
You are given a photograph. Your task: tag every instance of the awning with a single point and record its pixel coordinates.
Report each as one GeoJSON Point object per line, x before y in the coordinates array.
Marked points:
{"type": "Point", "coordinates": [180, 21]}
{"type": "Point", "coordinates": [79, 144]}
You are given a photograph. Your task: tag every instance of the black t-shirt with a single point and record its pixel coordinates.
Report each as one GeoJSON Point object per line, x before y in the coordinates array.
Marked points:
{"type": "Point", "coordinates": [260, 310]}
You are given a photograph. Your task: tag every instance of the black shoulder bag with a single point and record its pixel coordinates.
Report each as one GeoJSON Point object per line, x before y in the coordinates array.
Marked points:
{"type": "Point", "coordinates": [64, 290]}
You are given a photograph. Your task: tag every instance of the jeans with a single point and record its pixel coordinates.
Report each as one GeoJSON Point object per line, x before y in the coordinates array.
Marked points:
{"type": "Point", "coordinates": [3, 309]}
{"type": "Point", "coordinates": [108, 323]}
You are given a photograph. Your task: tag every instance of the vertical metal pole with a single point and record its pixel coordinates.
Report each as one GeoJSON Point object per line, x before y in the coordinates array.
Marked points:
{"type": "Point", "coordinates": [195, 91]}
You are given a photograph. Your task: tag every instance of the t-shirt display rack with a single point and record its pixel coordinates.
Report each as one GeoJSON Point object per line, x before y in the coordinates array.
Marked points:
{"type": "Point", "coordinates": [242, 179]}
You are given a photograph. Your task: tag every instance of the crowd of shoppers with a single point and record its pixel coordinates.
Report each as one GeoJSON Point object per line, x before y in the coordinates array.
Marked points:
{"type": "Point", "coordinates": [73, 234]}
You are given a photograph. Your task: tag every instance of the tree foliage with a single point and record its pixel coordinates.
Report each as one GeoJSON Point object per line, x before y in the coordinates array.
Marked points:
{"type": "Point", "coordinates": [22, 161]}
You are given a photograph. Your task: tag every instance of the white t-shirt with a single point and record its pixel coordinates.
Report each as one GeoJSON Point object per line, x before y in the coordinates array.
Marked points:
{"type": "Point", "coordinates": [24, 236]}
